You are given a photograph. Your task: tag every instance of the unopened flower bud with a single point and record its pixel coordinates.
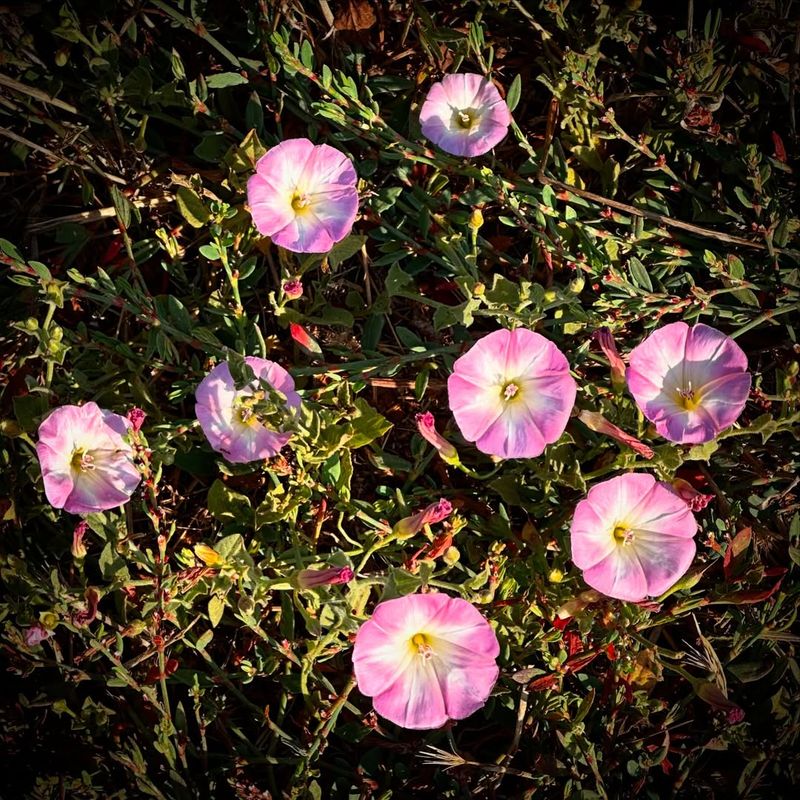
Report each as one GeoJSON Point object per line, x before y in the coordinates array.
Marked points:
{"type": "Point", "coordinates": [329, 576]}
{"type": "Point", "coordinates": [435, 512]}
{"type": "Point", "coordinates": [599, 424]}
{"type": "Point", "coordinates": [606, 342]}
{"type": "Point", "coordinates": [293, 289]}
{"type": "Point", "coordinates": [426, 425]}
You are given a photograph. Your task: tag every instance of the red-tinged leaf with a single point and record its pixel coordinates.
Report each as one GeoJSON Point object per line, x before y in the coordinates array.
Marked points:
{"type": "Point", "coordinates": [738, 545]}
{"type": "Point", "coordinates": [753, 43]}
{"type": "Point", "coordinates": [304, 339]}
{"type": "Point", "coordinates": [748, 597]}
{"type": "Point", "coordinates": [780, 150]}
{"type": "Point", "coordinates": [545, 682]}
{"type": "Point", "coordinates": [578, 662]}
{"type": "Point", "coordinates": [775, 572]}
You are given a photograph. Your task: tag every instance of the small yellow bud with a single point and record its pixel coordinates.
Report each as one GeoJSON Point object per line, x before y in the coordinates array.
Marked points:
{"type": "Point", "coordinates": [451, 556]}
{"type": "Point", "coordinates": [555, 576]}
{"type": "Point", "coordinates": [476, 219]}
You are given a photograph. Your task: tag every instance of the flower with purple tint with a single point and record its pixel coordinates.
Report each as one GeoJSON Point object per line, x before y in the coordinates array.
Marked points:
{"type": "Point", "coordinates": [426, 425]}
{"type": "Point", "coordinates": [511, 393]}
{"type": "Point", "coordinates": [87, 462]}
{"type": "Point", "coordinates": [464, 115]}
{"type": "Point", "coordinates": [697, 501]}
{"type": "Point", "coordinates": [293, 290]}
{"type": "Point", "coordinates": [430, 515]}
{"type": "Point", "coordinates": [36, 634]}
{"type": "Point", "coordinates": [303, 196]}
{"type": "Point", "coordinates": [426, 659]}
{"type": "Point", "coordinates": [229, 418]}
{"type": "Point", "coordinates": [633, 537]}
{"type": "Point", "coordinates": [328, 576]}
{"type": "Point", "coordinates": [691, 383]}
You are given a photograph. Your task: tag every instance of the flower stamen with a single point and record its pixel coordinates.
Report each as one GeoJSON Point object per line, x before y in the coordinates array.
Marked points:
{"type": "Point", "coordinates": [300, 202]}
{"type": "Point", "coordinates": [510, 391]}
{"type": "Point", "coordinates": [465, 119]}
{"type": "Point", "coordinates": [422, 644]}
{"type": "Point", "coordinates": [82, 461]}
{"type": "Point", "coordinates": [623, 535]}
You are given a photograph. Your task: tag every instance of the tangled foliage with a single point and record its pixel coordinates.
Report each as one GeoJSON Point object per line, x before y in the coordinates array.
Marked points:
{"type": "Point", "coordinates": [179, 646]}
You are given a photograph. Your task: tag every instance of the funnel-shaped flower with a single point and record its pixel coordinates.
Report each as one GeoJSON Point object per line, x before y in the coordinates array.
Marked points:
{"type": "Point", "coordinates": [511, 393]}
{"type": "Point", "coordinates": [464, 115]}
{"type": "Point", "coordinates": [87, 464]}
{"type": "Point", "coordinates": [426, 658]}
{"type": "Point", "coordinates": [228, 417]}
{"type": "Point", "coordinates": [632, 537]}
{"type": "Point", "coordinates": [692, 383]}
{"type": "Point", "coordinates": [303, 196]}
{"type": "Point", "coordinates": [430, 515]}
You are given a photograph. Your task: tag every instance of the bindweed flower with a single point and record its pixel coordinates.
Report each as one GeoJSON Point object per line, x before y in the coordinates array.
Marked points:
{"type": "Point", "coordinates": [464, 115]}
{"type": "Point", "coordinates": [605, 340]}
{"type": "Point", "coordinates": [511, 393]}
{"type": "Point", "coordinates": [430, 515]}
{"type": "Point", "coordinates": [87, 464]}
{"type": "Point", "coordinates": [425, 659]}
{"type": "Point", "coordinates": [697, 501]}
{"type": "Point", "coordinates": [599, 424]}
{"type": "Point", "coordinates": [426, 425]}
{"type": "Point", "coordinates": [36, 634]}
{"type": "Point", "coordinates": [293, 290]}
{"type": "Point", "coordinates": [229, 418]}
{"type": "Point", "coordinates": [691, 383]}
{"type": "Point", "coordinates": [303, 196]}
{"type": "Point", "coordinates": [633, 537]}
{"type": "Point", "coordinates": [328, 576]}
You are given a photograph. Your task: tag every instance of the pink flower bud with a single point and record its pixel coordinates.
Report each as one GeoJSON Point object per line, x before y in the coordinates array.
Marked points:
{"type": "Point", "coordinates": [435, 512]}
{"type": "Point", "coordinates": [309, 578]}
{"type": "Point", "coordinates": [304, 339]}
{"type": "Point", "coordinates": [697, 501]}
{"type": "Point", "coordinates": [606, 342]}
{"type": "Point", "coordinates": [36, 634]}
{"type": "Point", "coordinates": [599, 424]}
{"type": "Point", "coordinates": [78, 548]}
{"type": "Point", "coordinates": [426, 425]}
{"type": "Point", "coordinates": [293, 289]}
{"type": "Point", "coordinates": [136, 417]}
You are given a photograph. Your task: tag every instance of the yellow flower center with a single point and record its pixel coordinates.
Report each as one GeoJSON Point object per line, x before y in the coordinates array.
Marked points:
{"type": "Point", "coordinates": [511, 391]}
{"type": "Point", "coordinates": [420, 644]}
{"type": "Point", "coordinates": [300, 202]}
{"type": "Point", "coordinates": [623, 534]}
{"type": "Point", "coordinates": [688, 398]}
{"type": "Point", "coordinates": [81, 461]}
{"type": "Point", "coordinates": [466, 119]}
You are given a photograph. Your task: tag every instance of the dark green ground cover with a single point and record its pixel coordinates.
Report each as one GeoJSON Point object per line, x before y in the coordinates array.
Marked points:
{"type": "Point", "coordinates": [129, 265]}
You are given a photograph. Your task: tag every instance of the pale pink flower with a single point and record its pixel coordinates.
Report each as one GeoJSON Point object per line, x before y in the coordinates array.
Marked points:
{"type": "Point", "coordinates": [430, 515]}
{"type": "Point", "coordinates": [605, 340]}
{"type": "Point", "coordinates": [426, 425]}
{"type": "Point", "coordinates": [464, 115]}
{"type": "Point", "coordinates": [36, 634]}
{"type": "Point", "coordinates": [303, 196]}
{"type": "Point", "coordinates": [425, 659]}
{"type": "Point", "coordinates": [228, 416]}
{"type": "Point", "coordinates": [327, 576]}
{"type": "Point", "coordinates": [632, 537]}
{"type": "Point", "coordinates": [87, 462]}
{"type": "Point", "coordinates": [599, 424]}
{"type": "Point", "coordinates": [692, 383]}
{"type": "Point", "coordinates": [293, 289]}
{"type": "Point", "coordinates": [511, 393]}
{"type": "Point", "coordinates": [697, 501]}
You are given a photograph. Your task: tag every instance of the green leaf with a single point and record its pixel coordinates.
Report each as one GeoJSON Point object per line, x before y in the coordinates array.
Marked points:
{"type": "Point", "coordinates": [227, 505]}
{"type": "Point", "coordinates": [344, 249]}
{"type": "Point", "coordinates": [216, 608]}
{"type": "Point", "coordinates": [514, 92]}
{"type": "Point", "coordinates": [368, 424]}
{"type": "Point", "coordinates": [223, 79]}
{"type": "Point", "coordinates": [191, 207]}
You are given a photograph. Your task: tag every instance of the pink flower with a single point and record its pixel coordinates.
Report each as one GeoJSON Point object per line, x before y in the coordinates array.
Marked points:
{"type": "Point", "coordinates": [691, 383]}
{"type": "Point", "coordinates": [328, 576]}
{"type": "Point", "coordinates": [464, 115]}
{"type": "Point", "coordinates": [426, 425]}
{"type": "Point", "coordinates": [136, 417]}
{"type": "Point", "coordinates": [87, 464]}
{"type": "Point", "coordinates": [36, 634]}
{"type": "Point", "coordinates": [293, 289]}
{"type": "Point", "coordinates": [599, 424]}
{"type": "Point", "coordinates": [511, 393]}
{"type": "Point", "coordinates": [228, 416]}
{"type": "Point", "coordinates": [604, 338]}
{"type": "Point", "coordinates": [632, 537]}
{"type": "Point", "coordinates": [697, 501]}
{"type": "Point", "coordinates": [303, 196]}
{"type": "Point", "coordinates": [430, 515]}
{"type": "Point", "coordinates": [425, 659]}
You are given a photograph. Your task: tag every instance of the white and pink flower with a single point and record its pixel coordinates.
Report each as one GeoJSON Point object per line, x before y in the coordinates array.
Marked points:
{"type": "Point", "coordinates": [86, 459]}
{"type": "Point", "coordinates": [229, 418]}
{"type": "Point", "coordinates": [303, 196]}
{"type": "Point", "coordinates": [426, 659]}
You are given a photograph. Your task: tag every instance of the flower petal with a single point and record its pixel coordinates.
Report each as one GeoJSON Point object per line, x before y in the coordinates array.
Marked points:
{"type": "Point", "coordinates": [619, 575]}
